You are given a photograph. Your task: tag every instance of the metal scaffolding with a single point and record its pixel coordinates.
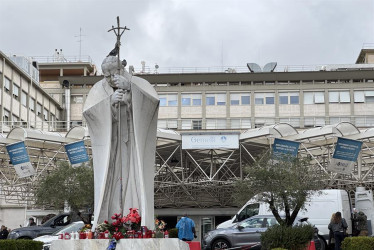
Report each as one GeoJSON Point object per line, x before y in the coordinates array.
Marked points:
{"type": "Point", "coordinates": [194, 178]}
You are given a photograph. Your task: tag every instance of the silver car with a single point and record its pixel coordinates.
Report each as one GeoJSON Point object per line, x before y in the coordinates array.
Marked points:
{"type": "Point", "coordinates": [244, 234]}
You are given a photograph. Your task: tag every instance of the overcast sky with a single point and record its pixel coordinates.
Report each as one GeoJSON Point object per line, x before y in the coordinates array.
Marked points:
{"type": "Point", "coordinates": [189, 33]}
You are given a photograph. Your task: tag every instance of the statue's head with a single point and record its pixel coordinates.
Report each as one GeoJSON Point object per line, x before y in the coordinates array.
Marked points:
{"type": "Point", "coordinates": [110, 68]}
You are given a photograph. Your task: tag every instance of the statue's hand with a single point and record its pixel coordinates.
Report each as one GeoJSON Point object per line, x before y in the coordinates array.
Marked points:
{"type": "Point", "coordinates": [117, 97]}
{"type": "Point", "coordinates": [121, 82]}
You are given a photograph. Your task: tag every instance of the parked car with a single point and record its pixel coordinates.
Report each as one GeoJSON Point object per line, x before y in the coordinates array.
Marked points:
{"type": "Point", "coordinates": [50, 226]}
{"type": "Point", "coordinates": [246, 234]}
{"type": "Point", "coordinates": [47, 239]}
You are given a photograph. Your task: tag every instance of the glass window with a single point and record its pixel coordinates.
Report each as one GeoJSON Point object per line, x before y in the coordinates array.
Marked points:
{"type": "Point", "coordinates": [235, 123]}
{"type": "Point", "coordinates": [6, 84]}
{"type": "Point", "coordinates": [246, 123]}
{"type": "Point", "coordinates": [162, 100]}
{"type": "Point", "coordinates": [283, 98]}
{"type": "Point", "coordinates": [161, 124]}
{"type": "Point", "coordinates": [234, 99]}
{"type": "Point", "coordinates": [246, 99]}
{"type": "Point", "coordinates": [32, 104]}
{"type": "Point", "coordinates": [345, 97]}
{"type": "Point", "coordinates": [6, 116]}
{"type": "Point", "coordinates": [359, 96]}
{"type": "Point", "coordinates": [24, 98]}
{"type": "Point", "coordinates": [45, 113]}
{"type": "Point", "coordinates": [186, 124]}
{"type": "Point", "coordinates": [15, 91]}
{"type": "Point", "coordinates": [308, 98]}
{"type": "Point", "coordinates": [270, 100]}
{"type": "Point", "coordinates": [319, 97]}
{"type": "Point", "coordinates": [249, 211]}
{"type": "Point", "coordinates": [186, 100]}
{"type": "Point", "coordinates": [196, 99]}
{"type": "Point", "coordinates": [38, 109]}
{"type": "Point", "coordinates": [196, 124]}
{"type": "Point", "coordinates": [333, 97]}
{"type": "Point", "coordinates": [173, 100]}
{"type": "Point", "coordinates": [221, 99]}
{"type": "Point", "coordinates": [172, 124]}
{"type": "Point", "coordinates": [210, 123]}
{"type": "Point", "coordinates": [221, 124]}
{"type": "Point", "coordinates": [294, 98]}
{"type": "Point", "coordinates": [210, 99]}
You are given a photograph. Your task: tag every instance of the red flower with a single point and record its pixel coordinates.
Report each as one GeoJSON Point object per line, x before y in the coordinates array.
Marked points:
{"type": "Point", "coordinates": [106, 222]}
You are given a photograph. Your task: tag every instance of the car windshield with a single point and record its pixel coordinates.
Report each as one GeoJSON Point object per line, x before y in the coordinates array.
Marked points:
{"type": "Point", "coordinates": [76, 226]}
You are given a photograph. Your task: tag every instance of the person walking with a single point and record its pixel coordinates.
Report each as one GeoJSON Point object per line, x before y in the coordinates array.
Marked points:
{"type": "Point", "coordinates": [331, 233]}
{"type": "Point", "coordinates": [339, 226]}
{"type": "Point", "coordinates": [186, 229]}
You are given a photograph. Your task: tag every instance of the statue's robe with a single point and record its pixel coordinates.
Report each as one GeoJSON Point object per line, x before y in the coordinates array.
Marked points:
{"type": "Point", "coordinates": [134, 155]}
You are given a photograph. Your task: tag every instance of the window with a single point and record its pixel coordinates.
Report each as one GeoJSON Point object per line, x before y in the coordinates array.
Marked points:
{"type": "Point", "coordinates": [364, 96]}
{"type": "Point", "coordinates": [191, 124]}
{"type": "Point", "coordinates": [240, 98]}
{"type": "Point", "coordinates": [168, 100]}
{"type": "Point", "coordinates": [289, 98]}
{"type": "Point", "coordinates": [260, 122]}
{"type": "Point", "coordinates": [264, 98]}
{"type": "Point", "coordinates": [15, 91]}
{"type": "Point", "coordinates": [45, 114]}
{"type": "Point", "coordinates": [76, 99]}
{"type": "Point", "coordinates": [38, 109]}
{"type": "Point", "coordinates": [314, 122]}
{"type": "Point", "coordinates": [364, 121]}
{"type": "Point", "coordinates": [215, 99]}
{"type": "Point", "coordinates": [339, 97]}
{"type": "Point", "coordinates": [32, 104]}
{"type": "Point", "coordinates": [314, 97]}
{"type": "Point", "coordinates": [240, 123]}
{"type": "Point", "coordinates": [215, 123]}
{"type": "Point", "coordinates": [167, 124]}
{"type": "Point", "coordinates": [15, 120]}
{"type": "Point", "coordinates": [335, 120]}
{"type": "Point", "coordinates": [249, 211]}
{"type": "Point", "coordinates": [294, 122]}
{"type": "Point", "coordinates": [191, 99]}
{"type": "Point", "coordinates": [24, 98]}
{"type": "Point", "coordinates": [6, 84]}
{"type": "Point", "coordinates": [6, 116]}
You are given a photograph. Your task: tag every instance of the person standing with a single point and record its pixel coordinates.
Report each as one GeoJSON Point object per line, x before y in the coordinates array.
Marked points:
{"type": "Point", "coordinates": [32, 222]}
{"type": "Point", "coordinates": [339, 226]}
{"type": "Point", "coordinates": [4, 233]}
{"type": "Point", "coordinates": [331, 233]}
{"type": "Point", "coordinates": [186, 229]}
{"type": "Point", "coordinates": [362, 224]}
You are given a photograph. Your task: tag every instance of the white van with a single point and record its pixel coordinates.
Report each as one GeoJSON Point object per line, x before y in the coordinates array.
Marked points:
{"type": "Point", "coordinates": [319, 207]}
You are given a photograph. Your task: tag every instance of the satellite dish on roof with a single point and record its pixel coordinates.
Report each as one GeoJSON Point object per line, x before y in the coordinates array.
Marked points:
{"type": "Point", "coordinates": [269, 67]}
{"type": "Point", "coordinates": [254, 67]}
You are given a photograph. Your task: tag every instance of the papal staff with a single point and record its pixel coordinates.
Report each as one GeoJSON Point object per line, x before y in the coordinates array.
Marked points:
{"type": "Point", "coordinates": [118, 31]}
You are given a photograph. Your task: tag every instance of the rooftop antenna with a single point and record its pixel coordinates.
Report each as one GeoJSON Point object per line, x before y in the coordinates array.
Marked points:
{"type": "Point", "coordinates": [80, 42]}
{"type": "Point", "coordinates": [118, 31]}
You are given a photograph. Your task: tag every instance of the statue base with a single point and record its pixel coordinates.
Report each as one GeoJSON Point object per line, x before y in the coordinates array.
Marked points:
{"type": "Point", "coordinates": [123, 244]}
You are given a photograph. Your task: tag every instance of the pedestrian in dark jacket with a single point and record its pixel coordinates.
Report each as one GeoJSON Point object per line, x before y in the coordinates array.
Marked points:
{"type": "Point", "coordinates": [339, 227]}
{"type": "Point", "coordinates": [3, 233]}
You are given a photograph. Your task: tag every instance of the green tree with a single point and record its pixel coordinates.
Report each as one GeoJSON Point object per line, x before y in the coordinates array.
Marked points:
{"type": "Point", "coordinates": [72, 184]}
{"type": "Point", "coordinates": [284, 184]}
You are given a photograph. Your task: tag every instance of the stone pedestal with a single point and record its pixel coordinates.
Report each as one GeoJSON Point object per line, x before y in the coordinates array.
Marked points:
{"type": "Point", "coordinates": [123, 244]}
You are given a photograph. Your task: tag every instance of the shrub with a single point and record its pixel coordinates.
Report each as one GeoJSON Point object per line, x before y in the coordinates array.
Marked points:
{"type": "Point", "coordinates": [173, 233]}
{"type": "Point", "coordinates": [292, 238]}
{"type": "Point", "coordinates": [20, 245]}
{"type": "Point", "coordinates": [361, 242]}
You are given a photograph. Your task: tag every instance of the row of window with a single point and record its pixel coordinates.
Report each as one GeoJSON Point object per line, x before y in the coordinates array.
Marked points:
{"type": "Point", "coordinates": [316, 97]}
{"type": "Point", "coordinates": [245, 123]}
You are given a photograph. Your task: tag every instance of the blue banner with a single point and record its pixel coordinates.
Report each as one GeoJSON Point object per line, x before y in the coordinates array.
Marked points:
{"type": "Point", "coordinates": [20, 159]}
{"type": "Point", "coordinates": [283, 148]}
{"type": "Point", "coordinates": [17, 153]}
{"type": "Point", "coordinates": [76, 152]}
{"type": "Point", "coordinates": [347, 149]}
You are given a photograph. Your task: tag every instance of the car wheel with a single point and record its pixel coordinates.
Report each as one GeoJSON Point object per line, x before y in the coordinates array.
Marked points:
{"type": "Point", "coordinates": [322, 243]}
{"type": "Point", "coordinates": [220, 244]}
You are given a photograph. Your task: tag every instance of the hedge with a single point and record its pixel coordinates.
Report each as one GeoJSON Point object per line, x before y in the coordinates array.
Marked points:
{"type": "Point", "coordinates": [292, 238]}
{"type": "Point", "coordinates": [360, 242]}
{"type": "Point", "coordinates": [20, 245]}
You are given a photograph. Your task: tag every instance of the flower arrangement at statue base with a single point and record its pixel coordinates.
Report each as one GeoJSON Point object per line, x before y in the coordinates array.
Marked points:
{"type": "Point", "coordinates": [123, 227]}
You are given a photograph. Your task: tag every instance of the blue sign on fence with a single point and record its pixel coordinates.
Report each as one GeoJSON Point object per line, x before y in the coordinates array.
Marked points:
{"type": "Point", "coordinates": [283, 148]}
{"type": "Point", "coordinates": [20, 159]}
{"type": "Point", "coordinates": [345, 155]}
{"type": "Point", "coordinates": [76, 152]}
